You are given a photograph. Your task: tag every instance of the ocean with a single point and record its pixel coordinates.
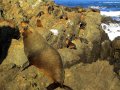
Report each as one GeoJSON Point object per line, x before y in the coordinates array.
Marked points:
{"type": "Point", "coordinates": [110, 8]}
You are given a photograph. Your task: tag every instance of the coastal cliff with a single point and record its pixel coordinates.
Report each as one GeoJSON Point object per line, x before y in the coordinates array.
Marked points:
{"type": "Point", "coordinates": [77, 35]}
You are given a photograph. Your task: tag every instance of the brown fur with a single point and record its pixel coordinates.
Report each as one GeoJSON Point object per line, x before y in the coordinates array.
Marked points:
{"type": "Point", "coordinates": [43, 56]}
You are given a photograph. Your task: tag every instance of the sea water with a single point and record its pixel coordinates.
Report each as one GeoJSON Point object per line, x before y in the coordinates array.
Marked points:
{"type": "Point", "coordinates": [109, 8]}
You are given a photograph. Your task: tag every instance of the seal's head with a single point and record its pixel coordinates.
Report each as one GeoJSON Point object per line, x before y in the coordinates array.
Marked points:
{"type": "Point", "coordinates": [25, 29]}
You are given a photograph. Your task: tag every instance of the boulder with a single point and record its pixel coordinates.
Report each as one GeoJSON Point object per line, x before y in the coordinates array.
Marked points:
{"type": "Point", "coordinates": [11, 78]}
{"type": "Point", "coordinates": [16, 54]}
{"type": "Point", "coordinates": [96, 76]}
{"type": "Point", "coordinates": [106, 49]}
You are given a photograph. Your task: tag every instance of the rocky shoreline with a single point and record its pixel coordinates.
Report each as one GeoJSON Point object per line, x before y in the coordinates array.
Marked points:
{"type": "Point", "coordinates": [89, 57]}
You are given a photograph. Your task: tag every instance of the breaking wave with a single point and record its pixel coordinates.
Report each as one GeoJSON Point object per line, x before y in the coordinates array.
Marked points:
{"type": "Point", "coordinates": [112, 29]}
{"type": "Point", "coordinates": [111, 13]}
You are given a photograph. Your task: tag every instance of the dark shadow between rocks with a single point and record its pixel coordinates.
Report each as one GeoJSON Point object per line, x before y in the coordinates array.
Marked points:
{"type": "Point", "coordinates": [7, 33]}
{"type": "Point", "coordinates": [115, 56]}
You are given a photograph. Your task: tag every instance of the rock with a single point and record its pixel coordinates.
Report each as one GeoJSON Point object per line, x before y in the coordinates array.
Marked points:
{"type": "Point", "coordinates": [92, 77]}
{"type": "Point", "coordinates": [11, 78]}
{"type": "Point", "coordinates": [116, 55]}
{"type": "Point", "coordinates": [59, 40]}
{"type": "Point", "coordinates": [1, 10]}
{"type": "Point", "coordinates": [70, 57]}
{"type": "Point", "coordinates": [116, 43]}
{"type": "Point", "coordinates": [93, 35]}
{"type": "Point", "coordinates": [16, 54]}
{"type": "Point", "coordinates": [7, 74]}
{"type": "Point", "coordinates": [74, 9]}
{"type": "Point", "coordinates": [95, 10]}
{"type": "Point", "coordinates": [116, 48]}
{"type": "Point", "coordinates": [105, 49]}
{"type": "Point", "coordinates": [92, 31]}
{"type": "Point", "coordinates": [15, 13]}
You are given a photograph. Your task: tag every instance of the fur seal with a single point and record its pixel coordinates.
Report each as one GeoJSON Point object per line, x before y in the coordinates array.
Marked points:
{"type": "Point", "coordinates": [44, 56]}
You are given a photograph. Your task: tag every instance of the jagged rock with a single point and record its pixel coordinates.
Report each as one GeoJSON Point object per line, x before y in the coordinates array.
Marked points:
{"type": "Point", "coordinates": [116, 43]}
{"type": "Point", "coordinates": [106, 49]}
{"type": "Point", "coordinates": [70, 57]}
{"type": "Point", "coordinates": [116, 49]}
{"type": "Point", "coordinates": [96, 76]}
{"type": "Point", "coordinates": [1, 10]}
{"type": "Point", "coordinates": [93, 35]}
{"type": "Point", "coordinates": [116, 55]}
{"type": "Point", "coordinates": [74, 9]}
{"type": "Point", "coordinates": [95, 10]}
{"type": "Point", "coordinates": [16, 54]}
{"type": "Point", "coordinates": [11, 78]}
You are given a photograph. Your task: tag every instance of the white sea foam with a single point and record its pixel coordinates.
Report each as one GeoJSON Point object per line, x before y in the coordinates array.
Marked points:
{"type": "Point", "coordinates": [95, 7]}
{"type": "Point", "coordinates": [111, 13]}
{"type": "Point", "coordinates": [113, 30]}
